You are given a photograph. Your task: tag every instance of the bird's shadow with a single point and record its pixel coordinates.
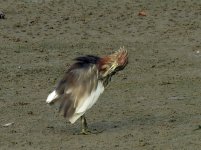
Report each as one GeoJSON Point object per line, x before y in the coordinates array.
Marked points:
{"type": "Point", "coordinates": [114, 125]}
{"type": "Point", "coordinates": [96, 127]}
{"type": "Point", "coordinates": [109, 126]}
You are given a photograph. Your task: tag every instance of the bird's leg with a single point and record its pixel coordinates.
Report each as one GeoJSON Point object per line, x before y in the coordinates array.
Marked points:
{"type": "Point", "coordinates": [84, 126]}
{"type": "Point", "coordinates": [85, 129]}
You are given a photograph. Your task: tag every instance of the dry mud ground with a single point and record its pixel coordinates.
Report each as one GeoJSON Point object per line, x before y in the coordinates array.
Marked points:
{"type": "Point", "coordinates": [153, 104]}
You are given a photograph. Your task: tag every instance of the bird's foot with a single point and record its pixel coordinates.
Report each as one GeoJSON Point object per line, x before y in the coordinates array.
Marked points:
{"type": "Point", "coordinates": [87, 132]}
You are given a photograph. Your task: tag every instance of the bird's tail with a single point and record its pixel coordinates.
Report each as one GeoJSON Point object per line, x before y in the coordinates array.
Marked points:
{"type": "Point", "coordinates": [52, 97]}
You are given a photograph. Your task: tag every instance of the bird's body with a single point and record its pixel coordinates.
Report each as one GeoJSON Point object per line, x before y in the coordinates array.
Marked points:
{"type": "Point", "coordinates": [84, 82]}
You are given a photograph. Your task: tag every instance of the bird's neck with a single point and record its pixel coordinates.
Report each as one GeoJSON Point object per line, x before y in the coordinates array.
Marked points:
{"type": "Point", "coordinates": [106, 80]}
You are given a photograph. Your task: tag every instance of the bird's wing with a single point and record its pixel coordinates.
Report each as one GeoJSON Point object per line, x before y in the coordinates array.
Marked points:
{"type": "Point", "coordinates": [77, 84]}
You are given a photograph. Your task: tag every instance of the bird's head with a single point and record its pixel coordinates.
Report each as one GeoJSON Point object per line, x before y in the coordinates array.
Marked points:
{"type": "Point", "coordinates": [113, 63]}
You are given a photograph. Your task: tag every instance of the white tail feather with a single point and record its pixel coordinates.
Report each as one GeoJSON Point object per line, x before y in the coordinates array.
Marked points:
{"type": "Point", "coordinates": [52, 96]}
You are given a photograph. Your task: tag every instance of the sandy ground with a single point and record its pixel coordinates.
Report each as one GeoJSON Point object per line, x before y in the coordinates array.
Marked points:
{"type": "Point", "coordinates": [153, 104]}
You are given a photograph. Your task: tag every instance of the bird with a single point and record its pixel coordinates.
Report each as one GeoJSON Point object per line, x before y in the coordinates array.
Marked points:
{"type": "Point", "coordinates": [84, 82]}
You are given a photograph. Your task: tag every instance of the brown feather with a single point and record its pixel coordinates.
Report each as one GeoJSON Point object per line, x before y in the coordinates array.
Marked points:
{"type": "Point", "coordinates": [76, 84]}
{"type": "Point", "coordinates": [108, 64]}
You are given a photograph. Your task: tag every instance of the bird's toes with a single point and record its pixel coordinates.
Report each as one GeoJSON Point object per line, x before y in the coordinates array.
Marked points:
{"type": "Point", "coordinates": [88, 132]}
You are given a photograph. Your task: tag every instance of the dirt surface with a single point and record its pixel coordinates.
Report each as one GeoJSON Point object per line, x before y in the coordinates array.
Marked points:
{"type": "Point", "coordinates": [153, 104]}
